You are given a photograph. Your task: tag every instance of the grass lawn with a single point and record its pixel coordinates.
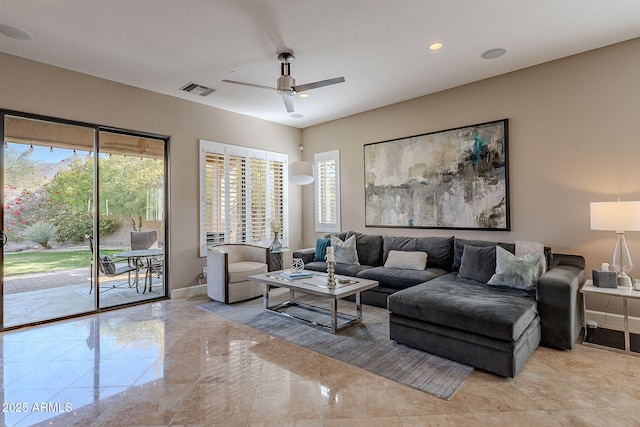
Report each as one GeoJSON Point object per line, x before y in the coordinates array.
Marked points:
{"type": "Point", "coordinates": [46, 261]}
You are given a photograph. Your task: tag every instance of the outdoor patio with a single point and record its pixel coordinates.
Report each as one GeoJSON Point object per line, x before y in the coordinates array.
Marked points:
{"type": "Point", "coordinates": [33, 298]}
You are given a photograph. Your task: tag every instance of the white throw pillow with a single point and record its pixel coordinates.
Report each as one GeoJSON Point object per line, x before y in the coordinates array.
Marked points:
{"type": "Point", "coordinates": [345, 252]}
{"type": "Point", "coordinates": [407, 260]}
{"type": "Point", "coordinates": [523, 248]}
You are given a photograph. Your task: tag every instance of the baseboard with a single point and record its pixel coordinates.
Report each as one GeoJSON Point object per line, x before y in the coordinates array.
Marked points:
{"type": "Point", "coordinates": [188, 292]}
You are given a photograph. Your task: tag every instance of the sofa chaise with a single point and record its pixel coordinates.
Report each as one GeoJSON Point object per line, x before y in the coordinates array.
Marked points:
{"type": "Point", "coordinates": [446, 306]}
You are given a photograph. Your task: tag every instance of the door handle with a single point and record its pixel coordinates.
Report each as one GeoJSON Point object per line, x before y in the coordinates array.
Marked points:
{"type": "Point", "coordinates": [3, 240]}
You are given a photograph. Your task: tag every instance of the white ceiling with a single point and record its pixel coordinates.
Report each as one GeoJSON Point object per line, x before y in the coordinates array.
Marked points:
{"type": "Point", "coordinates": [379, 46]}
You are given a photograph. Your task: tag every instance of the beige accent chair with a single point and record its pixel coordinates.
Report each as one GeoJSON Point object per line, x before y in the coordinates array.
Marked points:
{"type": "Point", "coordinates": [228, 269]}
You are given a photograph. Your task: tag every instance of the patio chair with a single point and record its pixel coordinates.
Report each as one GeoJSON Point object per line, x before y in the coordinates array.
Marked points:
{"type": "Point", "coordinates": [108, 267]}
{"type": "Point", "coordinates": [147, 240]}
{"type": "Point", "coordinates": [144, 240]}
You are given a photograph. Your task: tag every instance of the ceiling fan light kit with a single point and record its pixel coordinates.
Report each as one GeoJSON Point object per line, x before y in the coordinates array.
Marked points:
{"type": "Point", "coordinates": [286, 84]}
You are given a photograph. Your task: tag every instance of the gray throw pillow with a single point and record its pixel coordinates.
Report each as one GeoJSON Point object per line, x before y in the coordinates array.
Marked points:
{"type": "Point", "coordinates": [345, 252]}
{"type": "Point", "coordinates": [515, 272]}
{"type": "Point", "coordinates": [478, 263]}
{"type": "Point", "coordinates": [369, 248]}
{"type": "Point", "coordinates": [440, 249]}
{"type": "Point", "coordinates": [459, 244]}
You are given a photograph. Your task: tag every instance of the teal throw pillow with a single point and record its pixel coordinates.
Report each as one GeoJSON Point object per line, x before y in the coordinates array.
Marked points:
{"type": "Point", "coordinates": [515, 272]}
{"type": "Point", "coordinates": [321, 248]}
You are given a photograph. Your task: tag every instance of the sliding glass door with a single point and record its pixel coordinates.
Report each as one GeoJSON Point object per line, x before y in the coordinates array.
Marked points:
{"type": "Point", "coordinates": [46, 271]}
{"type": "Point", "coordinates": [131, 171]}
{"type": "Point", "coordinates": [77, 199]}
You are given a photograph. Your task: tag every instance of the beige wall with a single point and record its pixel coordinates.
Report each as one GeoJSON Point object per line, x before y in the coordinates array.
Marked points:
{"type": "Point", "coordinates": [573, 139]}
{"type": "Point", "coordinates": [33, 87]}
{"type": "Point", "coordinates": [572, 136]}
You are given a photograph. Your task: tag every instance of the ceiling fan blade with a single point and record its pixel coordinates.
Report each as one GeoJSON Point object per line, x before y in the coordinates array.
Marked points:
{"type": "Point", "coordinates": [249, 84]}
{"type": "Point", "coordinates": [308, 86]}
{"type": "Point", "coordinates": [288, 102]}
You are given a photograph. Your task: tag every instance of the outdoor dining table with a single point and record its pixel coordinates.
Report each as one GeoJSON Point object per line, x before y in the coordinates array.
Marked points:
{"type": "Point", "coordinates": [141, 258]}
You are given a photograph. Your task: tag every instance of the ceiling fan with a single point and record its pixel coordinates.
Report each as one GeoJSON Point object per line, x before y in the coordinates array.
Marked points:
{"type": "Point", "coordinates": [286, 85]}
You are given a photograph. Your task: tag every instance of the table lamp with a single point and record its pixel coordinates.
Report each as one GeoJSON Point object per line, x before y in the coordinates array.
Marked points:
{"type": "Point", "coordinates": [619, 217]}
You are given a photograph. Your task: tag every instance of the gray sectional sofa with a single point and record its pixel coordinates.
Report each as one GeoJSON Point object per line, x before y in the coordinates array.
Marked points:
{"type": "Point", "coordinates": [448, 308]}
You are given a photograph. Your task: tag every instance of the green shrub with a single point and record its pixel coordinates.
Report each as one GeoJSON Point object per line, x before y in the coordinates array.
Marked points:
{"type": "Point", "coordinates": [41, 233]}
{"type": "Point", "coordinates": [107, 225]}
{"type": "Point", "coordinates": [74, 228]}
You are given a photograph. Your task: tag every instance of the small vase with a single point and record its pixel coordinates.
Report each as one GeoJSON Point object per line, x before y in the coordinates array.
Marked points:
{"type": "Point", "coordinates": [276, 245]}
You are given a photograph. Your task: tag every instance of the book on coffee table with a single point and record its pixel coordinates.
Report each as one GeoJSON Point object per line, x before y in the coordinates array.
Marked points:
{"type": "Point", "coordinates": [293, 276]}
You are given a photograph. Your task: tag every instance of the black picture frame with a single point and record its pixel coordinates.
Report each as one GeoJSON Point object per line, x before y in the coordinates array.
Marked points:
{"type": "Point", "coordinates": [452, 179]}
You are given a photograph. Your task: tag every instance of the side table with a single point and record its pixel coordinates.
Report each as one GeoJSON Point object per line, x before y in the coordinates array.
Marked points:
{"type": "Point", "coordinates": [276, 259]}
{"type": "Point", "coordinates": [631, 338]}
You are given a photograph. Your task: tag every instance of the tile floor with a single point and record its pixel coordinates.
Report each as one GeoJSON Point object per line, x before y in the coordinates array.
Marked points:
{"type": "Point", "coordinates": [170, 363]}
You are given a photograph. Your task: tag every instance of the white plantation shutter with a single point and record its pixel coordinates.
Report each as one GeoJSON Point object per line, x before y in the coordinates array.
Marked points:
{"type": "Point", "coordinates": [276, 193]}
{"type": "Point", "coordinates": [327, 186]}
{"type": "Point", "coordinates": [242, 190]}
{"type": "Point", "coordinates": [214, 223]}
{"type": "Point", "coordinates": [326, 191]}
{"type": "Point", "coordinates": [235, 200]}
{"type": "Point", "coordinates": [257, 185]}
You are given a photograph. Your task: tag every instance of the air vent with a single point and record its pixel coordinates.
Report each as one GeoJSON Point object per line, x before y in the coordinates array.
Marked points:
{"type": "Point", "coordinates": [197, 89]}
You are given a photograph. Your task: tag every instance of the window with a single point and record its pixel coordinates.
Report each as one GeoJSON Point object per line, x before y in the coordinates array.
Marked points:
{"type": "Point", "coordinates": [241, 194]}
{"type": "Point", "coordinates": [327, 185]}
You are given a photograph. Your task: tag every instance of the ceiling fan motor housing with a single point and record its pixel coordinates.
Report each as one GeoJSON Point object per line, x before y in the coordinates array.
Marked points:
{"type": "Point", "coordinates": [286, 85]}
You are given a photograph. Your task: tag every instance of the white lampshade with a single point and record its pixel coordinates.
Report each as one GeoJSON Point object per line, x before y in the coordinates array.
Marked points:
{"type": "Point", "coordinates": [301, 173]}
{"type": "Point", "coordinates": [615, 216]}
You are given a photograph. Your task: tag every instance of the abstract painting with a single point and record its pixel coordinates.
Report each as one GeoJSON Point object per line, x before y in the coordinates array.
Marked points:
{"type": "Point", "coordinates": [456, 178]}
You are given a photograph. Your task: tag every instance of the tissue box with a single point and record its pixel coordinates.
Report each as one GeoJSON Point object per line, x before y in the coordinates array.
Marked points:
{"type": "Point", "coordinates": [605, 279]}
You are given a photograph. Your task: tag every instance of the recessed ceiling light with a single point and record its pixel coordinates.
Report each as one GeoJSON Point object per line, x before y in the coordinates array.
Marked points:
{"type": "Point", "coordinates": [435, 46]}
{"type": "Point", "coordinates": [296, 116]}
{"type": "Point", "coordinates": [15, 32]}
{"type": "Point", "coordinates": [494, 53]}
{"type": "Point", "coordinates": [304, 95]}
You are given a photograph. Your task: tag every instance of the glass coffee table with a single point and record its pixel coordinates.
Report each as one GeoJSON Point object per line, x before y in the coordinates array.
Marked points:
{"type": "Point", "coordinates": [328, 319]}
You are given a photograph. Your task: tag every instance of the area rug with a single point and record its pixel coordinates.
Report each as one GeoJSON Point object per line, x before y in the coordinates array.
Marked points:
{"type": "Point", "coordinates": [366, 346]}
